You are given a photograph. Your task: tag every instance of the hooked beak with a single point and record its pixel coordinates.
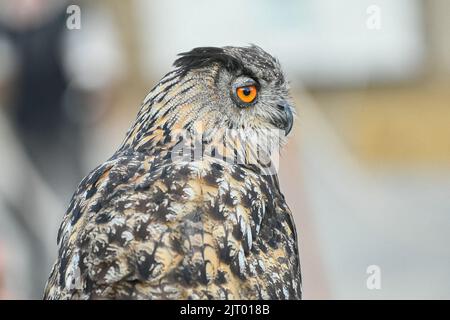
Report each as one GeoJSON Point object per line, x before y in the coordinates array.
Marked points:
{"type": "Point", "coordinates": [288, 116]}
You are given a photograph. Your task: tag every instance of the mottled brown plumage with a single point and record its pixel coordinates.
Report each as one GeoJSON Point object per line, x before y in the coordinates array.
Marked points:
{"type": "Point", "coordinates": [156, 223]}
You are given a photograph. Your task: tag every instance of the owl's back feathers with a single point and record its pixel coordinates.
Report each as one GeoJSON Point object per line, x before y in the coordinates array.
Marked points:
{"type": "Point", "coordinates": [144, 227]}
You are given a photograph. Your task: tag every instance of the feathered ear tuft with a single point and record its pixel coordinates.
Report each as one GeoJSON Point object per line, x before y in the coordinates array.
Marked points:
{"type": "Point", "coordinates": [204, 56]}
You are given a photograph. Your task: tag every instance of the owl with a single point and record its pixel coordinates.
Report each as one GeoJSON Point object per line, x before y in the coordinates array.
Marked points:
{"type": "Point", "coordinates": [189, 206]}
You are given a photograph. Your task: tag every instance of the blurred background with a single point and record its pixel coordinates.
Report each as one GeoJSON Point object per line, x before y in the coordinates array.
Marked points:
{"type": "Point", "coordinates": [366, 171]}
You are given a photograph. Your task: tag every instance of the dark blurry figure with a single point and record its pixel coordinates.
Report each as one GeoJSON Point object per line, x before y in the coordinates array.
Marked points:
{"type": "Point", "coordinates": [52, 87]}
{"type": "Point", "coordinates": [48, 135]}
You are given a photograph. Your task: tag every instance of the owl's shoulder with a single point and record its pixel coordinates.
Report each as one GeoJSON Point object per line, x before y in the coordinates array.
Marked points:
{"type": "Point", "coordinates": [138, 219]}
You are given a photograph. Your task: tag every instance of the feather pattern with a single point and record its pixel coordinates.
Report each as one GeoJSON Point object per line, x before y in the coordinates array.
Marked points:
{"type": "Point", "coordinates": [146, 225]}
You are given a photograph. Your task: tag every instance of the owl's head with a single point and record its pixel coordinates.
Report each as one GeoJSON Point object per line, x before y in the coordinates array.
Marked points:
{"type": "Point", "coordinates": [238, 87]}
{"type": "Point", "coordinates": [215, 89]}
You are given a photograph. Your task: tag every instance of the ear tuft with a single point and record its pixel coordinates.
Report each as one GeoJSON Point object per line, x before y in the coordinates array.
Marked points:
{"type": "Point", "coordinates": [204, 56]}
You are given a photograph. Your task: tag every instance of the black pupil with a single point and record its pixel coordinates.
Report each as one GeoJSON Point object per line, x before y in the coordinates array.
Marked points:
{"type": "Point", "coordinates": [246, 91]}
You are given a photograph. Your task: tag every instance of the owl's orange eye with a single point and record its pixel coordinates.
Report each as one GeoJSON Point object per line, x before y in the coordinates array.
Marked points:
{"type": "Point", "coordinates": [247, 93]}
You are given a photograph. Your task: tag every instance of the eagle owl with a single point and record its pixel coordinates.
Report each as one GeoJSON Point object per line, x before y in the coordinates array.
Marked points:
{"type": "Point", "coordinates": [188, 208]}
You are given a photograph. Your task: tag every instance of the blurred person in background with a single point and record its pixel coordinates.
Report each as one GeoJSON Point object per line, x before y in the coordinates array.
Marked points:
{"type": "Point", "coordinates": [53, 84]}
{"type": "Point", "coordinates": [56, 82]}
{"type": "Point", "coordinates": [35, 30]}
